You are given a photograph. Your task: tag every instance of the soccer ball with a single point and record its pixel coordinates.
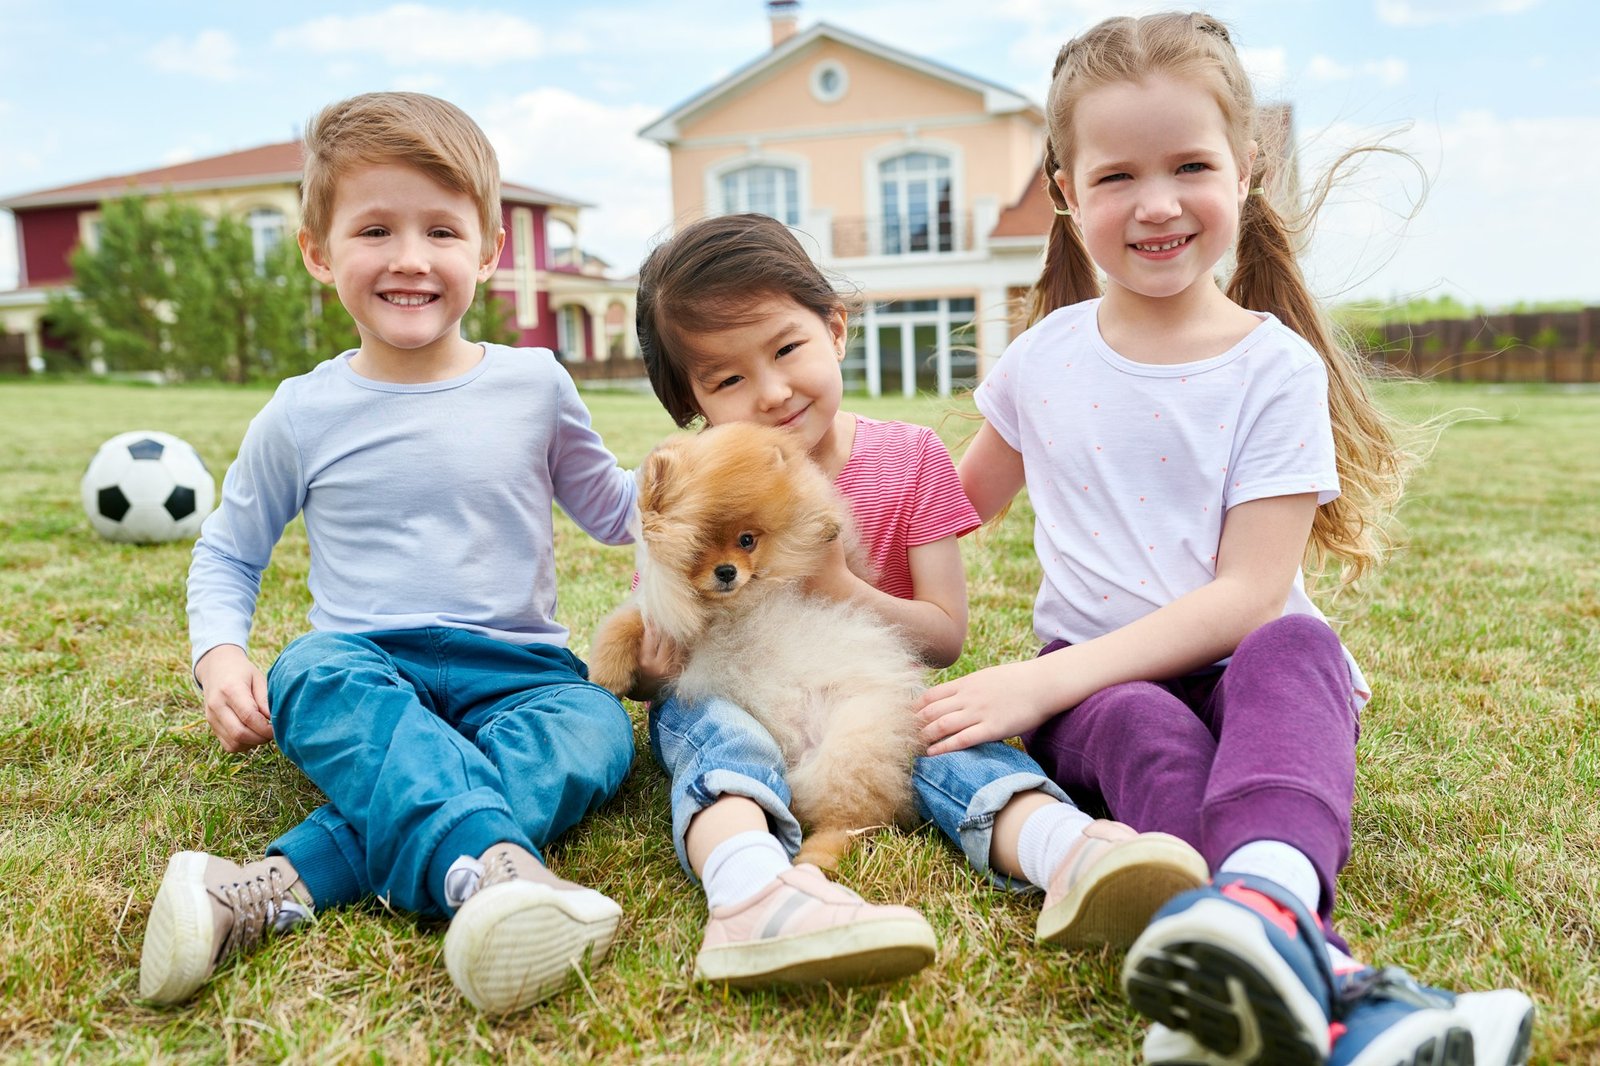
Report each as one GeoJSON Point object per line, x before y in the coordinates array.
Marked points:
{"type": "Point", "coordinates": [146, 487]}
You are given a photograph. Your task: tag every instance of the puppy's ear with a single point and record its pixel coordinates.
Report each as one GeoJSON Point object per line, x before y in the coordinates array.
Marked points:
{"type": "Point", "coordinates": [657, 479]}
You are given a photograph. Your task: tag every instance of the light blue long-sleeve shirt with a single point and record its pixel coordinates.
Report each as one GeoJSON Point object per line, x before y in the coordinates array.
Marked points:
{"type": "Point", "coordinates": [425, 505]}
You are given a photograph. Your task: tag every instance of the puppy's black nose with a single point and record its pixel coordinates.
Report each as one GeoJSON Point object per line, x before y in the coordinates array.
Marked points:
{"type": "Point", "coordinates": [726, 573]}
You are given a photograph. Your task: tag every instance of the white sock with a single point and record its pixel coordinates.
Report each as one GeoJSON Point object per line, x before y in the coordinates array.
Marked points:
{"type": "Point", "coordinates": [1340, 962]}
{"type": "Point", "coordinates": [1281, 864]}
{"type": "Point", "coordinates": [741, 866]}
{"type": "Point", "coordinates": [1046, 837]}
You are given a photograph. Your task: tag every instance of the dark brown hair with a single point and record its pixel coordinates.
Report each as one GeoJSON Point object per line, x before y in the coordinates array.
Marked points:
{"type": "Point", "coordinates": [704, 279]}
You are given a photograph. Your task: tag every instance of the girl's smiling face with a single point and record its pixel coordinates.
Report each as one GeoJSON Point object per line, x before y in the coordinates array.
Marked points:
{"type": "Point", "coordinates": [779, 366]}
{"type": "Point", "coordinates": [1154, 184]}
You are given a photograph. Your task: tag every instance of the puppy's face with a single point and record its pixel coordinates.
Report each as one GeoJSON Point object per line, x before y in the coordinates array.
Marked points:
{"type": "Point", "coordinates": [734, 507]}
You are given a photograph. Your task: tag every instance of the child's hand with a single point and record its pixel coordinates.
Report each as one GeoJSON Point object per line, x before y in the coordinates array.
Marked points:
{"type": "Point", "coordinates": [660, 660]}
{"type": "Point", "coordinates": [835, 579]}
{"type": "Point", "coordinates": [991, 704]}
{"type": "Point", "coordinates": [235, 698]}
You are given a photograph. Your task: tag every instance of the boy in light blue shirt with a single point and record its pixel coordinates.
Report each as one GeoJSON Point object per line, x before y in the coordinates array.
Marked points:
{"type": "Point", "coordinates": [435, 702]}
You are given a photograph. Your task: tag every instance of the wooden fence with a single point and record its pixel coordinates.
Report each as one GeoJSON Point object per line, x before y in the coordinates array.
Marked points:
{"type": "Point", "coordinates": [1551, 346]}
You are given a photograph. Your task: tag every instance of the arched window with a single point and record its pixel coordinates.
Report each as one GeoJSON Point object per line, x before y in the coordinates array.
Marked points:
{"type": "Point", "coordinates": [561, 243]}
{"type": "Point", "coordinates": [267, 230]}
{"type": "Point", "coordinates": [764, 189]}
{"type": "Point", "coordinates": [915, 192]}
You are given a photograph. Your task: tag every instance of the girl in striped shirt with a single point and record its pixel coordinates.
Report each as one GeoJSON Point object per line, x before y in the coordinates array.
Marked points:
{"type": "Point", "coordinates": [736, 323]}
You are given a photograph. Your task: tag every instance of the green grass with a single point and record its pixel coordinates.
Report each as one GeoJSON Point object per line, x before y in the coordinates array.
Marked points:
{"type": "Point", "coordinates": [1477, 819]}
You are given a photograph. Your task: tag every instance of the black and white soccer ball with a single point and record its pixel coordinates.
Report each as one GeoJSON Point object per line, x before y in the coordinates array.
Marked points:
{"type": "Point", "coordinates": [147, 486]}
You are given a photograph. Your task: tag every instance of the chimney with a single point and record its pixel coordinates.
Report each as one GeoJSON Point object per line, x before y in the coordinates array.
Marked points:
{"type": "Point", "coordinates": [785, 18]}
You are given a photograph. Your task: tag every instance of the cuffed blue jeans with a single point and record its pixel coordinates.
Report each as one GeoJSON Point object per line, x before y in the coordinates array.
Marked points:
{"type": "Point", "coordinates": [431, 744]}
{"type": "Point", "coordinates": [716, 748]}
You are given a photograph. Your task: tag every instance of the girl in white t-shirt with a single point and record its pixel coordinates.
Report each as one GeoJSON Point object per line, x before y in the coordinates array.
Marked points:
{"type": "Point", "coordinates": [1184, 447]}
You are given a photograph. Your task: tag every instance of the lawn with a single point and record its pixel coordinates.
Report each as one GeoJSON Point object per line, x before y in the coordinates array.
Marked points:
{"type": "Point", "coordinates": [1477, 820]}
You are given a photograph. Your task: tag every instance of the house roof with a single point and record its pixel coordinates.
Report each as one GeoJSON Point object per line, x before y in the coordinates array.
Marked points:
{"type": "Point", "coordinates": [1029, 218]}
{"type": "Point", "coordinates": [997, 99]}
{"type": "Point", "coordinates": [270, 164]}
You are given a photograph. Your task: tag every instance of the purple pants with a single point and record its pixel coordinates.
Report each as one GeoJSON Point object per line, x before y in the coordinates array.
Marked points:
{"type": "Point", "coordinates": [1263, 749]}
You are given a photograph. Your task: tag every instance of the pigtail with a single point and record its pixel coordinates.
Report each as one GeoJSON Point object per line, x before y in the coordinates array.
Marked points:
{"type": "Point", "coordinates": [1351, 534]}
{"type": "Point", "coordinates": [1069, 275]}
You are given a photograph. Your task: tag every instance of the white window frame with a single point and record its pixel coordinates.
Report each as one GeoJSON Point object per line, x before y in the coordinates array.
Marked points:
{"type": "Point", "coordinates": [872, 179]}
{"type": "Point", "coordinates": [260, 246]}
{"type": "Point", "coordinates": [798, 165]}
{"type": "Point", "coordinates": [526, 277]}
{"type": "Point", "coordinates": [841, 84]}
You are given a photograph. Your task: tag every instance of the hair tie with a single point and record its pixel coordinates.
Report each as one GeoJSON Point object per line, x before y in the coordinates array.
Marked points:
{"type": "Point", "coordinates": [1258, 191]}
{"type": "Point", "coordinates": [1062, 210]}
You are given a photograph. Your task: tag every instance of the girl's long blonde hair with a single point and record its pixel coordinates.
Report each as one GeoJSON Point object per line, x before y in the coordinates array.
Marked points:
{"type": "Point", "coordinates": [1351, 534]}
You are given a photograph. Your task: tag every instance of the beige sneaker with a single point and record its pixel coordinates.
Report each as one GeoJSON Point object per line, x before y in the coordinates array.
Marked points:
{"type": "Point", "coordinates": [1111, 882]}
{"type": "Point", "coordinates": [208, 908]}
{"type": "Point", "coordinates": [523, 932]}
{"type": "Point", "coordinates": [804, 929]}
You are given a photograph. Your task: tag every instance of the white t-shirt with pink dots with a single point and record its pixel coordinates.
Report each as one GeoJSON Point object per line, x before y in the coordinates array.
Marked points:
{"type": "Point", "coordinates": [1130, 466]}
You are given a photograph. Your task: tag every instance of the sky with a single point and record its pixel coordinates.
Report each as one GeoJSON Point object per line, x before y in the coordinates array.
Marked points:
{"type": "Point", "coordinates": [1495, 102]}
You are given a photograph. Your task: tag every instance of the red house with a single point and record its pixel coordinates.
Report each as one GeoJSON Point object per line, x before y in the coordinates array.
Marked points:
{"type": "Point", "coordinates": [559, 296]}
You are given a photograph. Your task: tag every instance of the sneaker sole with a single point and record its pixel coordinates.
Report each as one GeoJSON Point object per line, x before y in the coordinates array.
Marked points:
{"type": "Point", "coordinates": [859, 953]}
{"type": "Point", "coordinates": [1129, 885]}
{"type": "Point", "coordinates": [1424, 1038]}
{"type": "Point", "coordinates": [516, 943]}
{"type": "Point", "coordinates": [1210, 971]}
{"type": "Point", "coordinates": [179, 937]}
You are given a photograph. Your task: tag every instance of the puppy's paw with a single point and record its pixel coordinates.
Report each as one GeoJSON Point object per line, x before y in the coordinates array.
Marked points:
{"type": "Point", "coordinates": [614, 658]}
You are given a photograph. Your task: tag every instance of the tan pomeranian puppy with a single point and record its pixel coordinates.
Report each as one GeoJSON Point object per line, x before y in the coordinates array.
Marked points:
{"type": "Point", "coordinates": [732, 521]}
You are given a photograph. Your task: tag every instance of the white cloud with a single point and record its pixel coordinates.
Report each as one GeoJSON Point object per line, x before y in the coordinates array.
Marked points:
{"type": "Point", "coordinates": [1268, 69]}
{"type": "Point", "coordinates": [1498, 188]}
{"type": "Point", "coordinates": [416, 33]}
{"type": "Point", "coordinates": [1435, 12]}
{"type": "Point", "coordinates": [563, 143]}
{"type": "Point", "coordinates": [210, 54]}
{"type": "Point", "coordinates": [1387, 71]}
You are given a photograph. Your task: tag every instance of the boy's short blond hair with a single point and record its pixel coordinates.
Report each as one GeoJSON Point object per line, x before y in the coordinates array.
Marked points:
{"type": "Point", "coordinates": [414, 129]}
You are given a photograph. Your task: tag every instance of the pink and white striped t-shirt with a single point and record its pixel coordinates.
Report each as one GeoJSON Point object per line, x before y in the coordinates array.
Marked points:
{"type": "Point", "coordinates": [904, 492]}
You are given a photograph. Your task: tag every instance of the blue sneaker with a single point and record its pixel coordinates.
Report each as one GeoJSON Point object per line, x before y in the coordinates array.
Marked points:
{"type": "Point", "coordinates": [1378, 1029]}
{"type": "Point", "coordinates": [1242, 967]}
{"type": "Point", "coordinates": [1387, 1019]}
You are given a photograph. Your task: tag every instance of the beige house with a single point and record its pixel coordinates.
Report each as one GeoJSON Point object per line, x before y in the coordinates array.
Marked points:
{"type": "Point", "coordinates": [915, 182]}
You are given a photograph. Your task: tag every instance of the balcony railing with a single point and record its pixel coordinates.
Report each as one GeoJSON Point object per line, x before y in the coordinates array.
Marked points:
{"type": "Point", "coordinates": [854, 238]}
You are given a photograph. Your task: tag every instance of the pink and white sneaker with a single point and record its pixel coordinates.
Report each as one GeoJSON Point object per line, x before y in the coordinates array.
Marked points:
{"type": "Point", "coordinates": [803, 929]}
{"type": "Point", "coordinates": [1110, 883]}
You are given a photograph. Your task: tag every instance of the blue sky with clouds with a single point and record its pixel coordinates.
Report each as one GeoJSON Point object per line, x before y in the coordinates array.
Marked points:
{"type": "Point", "coordinates": [1497, 100]}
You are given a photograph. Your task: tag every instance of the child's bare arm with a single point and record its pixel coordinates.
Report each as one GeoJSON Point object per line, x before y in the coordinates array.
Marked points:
{"type": "Point", "coordinates": [1262, 545]}
{"type": "Point", "coordinates": [235, 698]}
{"type": "Point", "coordinates": [935, 621]}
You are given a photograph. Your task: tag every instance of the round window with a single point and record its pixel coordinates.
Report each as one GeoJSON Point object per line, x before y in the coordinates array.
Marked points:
{"type": "Point", "coordinates": [829, 81]}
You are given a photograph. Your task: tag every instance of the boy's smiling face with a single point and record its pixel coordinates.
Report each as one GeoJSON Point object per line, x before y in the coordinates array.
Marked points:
{"type": "Point", "coordinates": [405, 254]}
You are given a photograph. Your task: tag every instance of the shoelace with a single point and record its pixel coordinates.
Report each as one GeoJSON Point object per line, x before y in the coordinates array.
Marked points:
{"type": "Point", "coordinates": [467, 876]}
{"type": "Point", "coordinates": [1391, 983]}
{"type": "Point", "coordinates": [256, 905]}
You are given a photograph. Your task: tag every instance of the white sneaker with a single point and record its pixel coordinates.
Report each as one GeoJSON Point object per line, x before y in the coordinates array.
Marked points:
{"type": "Point", "coordinates": [208, 908]}
{"type": "Point", "coordinates": [523, 932]}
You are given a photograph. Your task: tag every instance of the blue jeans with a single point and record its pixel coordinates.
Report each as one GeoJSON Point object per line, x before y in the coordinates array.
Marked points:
{"type": "Point", "coordinates": [431, 744]}
{"type": "Point", "coordinates": [716, 749]}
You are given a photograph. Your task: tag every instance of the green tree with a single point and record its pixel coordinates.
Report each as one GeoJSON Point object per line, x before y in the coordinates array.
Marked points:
{"type": "Point", "coordinates": [169, 288]}
{"type": "Point", "coordinates": [489, 319]}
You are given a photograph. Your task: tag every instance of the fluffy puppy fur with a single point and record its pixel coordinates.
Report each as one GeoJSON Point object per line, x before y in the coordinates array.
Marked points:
{"type": "Point", "coordinates": [731, 523]}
